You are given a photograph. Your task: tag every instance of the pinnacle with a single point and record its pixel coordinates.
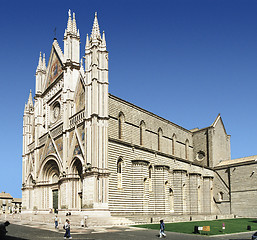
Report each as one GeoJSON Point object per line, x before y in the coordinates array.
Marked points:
{"type": "Point", "coordinates": [40, 63]}
{"type": "Point", "coordinates": [30, 101]}
{"type": "Point", "coordinates": [87, 42]}
{"type": "Point", "coordinates": [71, 25]}
{"type": "Point", "coordinates": [44, 62]}
{"type": "Point", "coordinates": [103, 39]}
{"type": "Point", "coordinates": [95, 30]}
{"type": "Point", "coordinates": [74, 24]}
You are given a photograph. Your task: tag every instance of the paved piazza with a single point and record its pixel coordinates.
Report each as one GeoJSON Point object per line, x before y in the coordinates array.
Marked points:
{"type": "Point", "coordinates": [22, 232]}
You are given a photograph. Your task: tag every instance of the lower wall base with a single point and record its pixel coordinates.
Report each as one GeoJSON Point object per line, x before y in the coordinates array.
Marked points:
{"type": "Point", "coordinates": [142, 219]}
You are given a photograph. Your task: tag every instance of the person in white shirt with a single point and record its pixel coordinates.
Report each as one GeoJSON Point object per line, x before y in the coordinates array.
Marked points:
{"type": "Point", "coordinates": [67, 229]}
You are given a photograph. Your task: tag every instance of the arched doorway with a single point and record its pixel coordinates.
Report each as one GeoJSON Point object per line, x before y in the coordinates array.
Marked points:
{"type": "Point", "coordinates": [50, 177]}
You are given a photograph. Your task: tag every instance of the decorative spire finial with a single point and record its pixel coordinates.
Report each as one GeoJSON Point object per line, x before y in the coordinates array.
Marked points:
{"type": "Point", "coordinates": [95, 30]}
{"type": "Point", "coordinates": [103, 39]}
{"type": "Point", "coordinates": [39, 66]}
{"type": "Point", "coordinates": [74, 25]}
{"type": "Point", "coordinates": [30, 101]}
{"type": "Point", "coordinates": [44, 62]}
{"type": "Point", "coordinates": [69, 24]}
{"type": "Point", "coordinates": [87, 42]}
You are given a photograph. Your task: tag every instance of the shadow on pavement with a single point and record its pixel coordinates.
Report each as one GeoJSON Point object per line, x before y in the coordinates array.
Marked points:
{"type": "Point", "coordinates": [239, 239]}
{"type": "Point", "coordinates": [14, 238]}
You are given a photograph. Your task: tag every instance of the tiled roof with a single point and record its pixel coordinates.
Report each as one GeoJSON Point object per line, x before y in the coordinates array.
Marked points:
{"type": "Point", "coordinates": [237, 161]}
{"type": "Point", "coordinates": [5, 195]}
{"type": "Point", "coordinates": [17, 200]}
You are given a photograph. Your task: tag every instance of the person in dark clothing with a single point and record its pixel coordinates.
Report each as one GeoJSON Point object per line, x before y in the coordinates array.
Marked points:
{"type": "Point", "coordinates": [3, 229]}
{"type": "Point", "coordinates": [162, 227]}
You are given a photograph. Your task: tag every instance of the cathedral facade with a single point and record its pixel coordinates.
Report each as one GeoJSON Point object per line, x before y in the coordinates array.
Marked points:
{"type": "Point", "coordinates": [88, 152]}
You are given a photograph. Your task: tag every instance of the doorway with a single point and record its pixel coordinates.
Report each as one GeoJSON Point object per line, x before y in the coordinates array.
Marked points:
{"type": "Point", "coordinates": [55, 201]}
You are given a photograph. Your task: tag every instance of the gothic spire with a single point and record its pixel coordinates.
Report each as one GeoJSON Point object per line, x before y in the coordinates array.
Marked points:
{"type": "Point", "coordinates": [30, 101]}
{"type": "Point", "coordinates": [87, 43]}
{"type": "Point", "coordinates": [103, 40]}
{"type": "Point", "coordinates": [40, 64]}
{"type": "Point", "coordinates": [44, 63]}
{"type": "Point", "coordinates": [69, 23]}
{"type": "Point", "coordinates": [95, 34]}
{"type": "Point", "coordinates": [74, 24]}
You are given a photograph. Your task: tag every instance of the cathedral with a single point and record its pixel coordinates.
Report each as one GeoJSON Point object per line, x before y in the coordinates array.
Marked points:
{"type": "Point", "coordinates": [86, 151]}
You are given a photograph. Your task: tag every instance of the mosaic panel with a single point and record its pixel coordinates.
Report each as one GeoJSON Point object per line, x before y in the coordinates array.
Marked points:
{"type": "Point", "coordinates": [80, 97]}
{"type": "Point", "coordinates": [59, 145]}
{"type": "Point", "coordinates": [77, 150]}
{"type": "Point", "coordinates": [55, 69]}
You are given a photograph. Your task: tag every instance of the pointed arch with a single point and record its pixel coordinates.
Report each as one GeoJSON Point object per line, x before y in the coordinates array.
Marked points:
{"type": "Point", "coordinates": [30, 180]}
{"type": "Point", "coordinates": [76, 166]}
{"type": "Point", "coordinates": [121, 121]}
{"type": "Point", "coordinates": [142, 132]}
{"type": "Point", "coordinates": [50, 169]}
{"type": "Point", "coordinates": [50, 172]}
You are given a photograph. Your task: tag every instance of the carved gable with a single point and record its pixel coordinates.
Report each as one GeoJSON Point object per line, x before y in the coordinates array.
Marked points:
{"type": "Point", "coordinates": [54, 68]}
{"type": "Point", "coordinates": [49, 148]}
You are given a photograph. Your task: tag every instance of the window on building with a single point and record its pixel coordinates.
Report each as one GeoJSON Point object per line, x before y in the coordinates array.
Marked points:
{"type": "Point", "coordinates": [150, 179]}
{"type": "Point", "coordinates": [171, 196]}
{"type": "Point", "coordinates": [121, 120]}
{"type": "Point", "coordinates": [174, 140]}
{"type": "Point", "coordinates": [119, 173]}
{"type": "Point", "coordinates": [221, 196]}
{"type": "Point", "coordinates": [159, 139]}
{"type": "Point", "coordinates": [142, 132]}
{"type": "Point", "coordinates": [187, 149]}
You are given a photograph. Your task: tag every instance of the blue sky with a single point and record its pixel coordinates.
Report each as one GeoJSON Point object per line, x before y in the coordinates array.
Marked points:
{"type": "Point", "coordinates": [185, 60]}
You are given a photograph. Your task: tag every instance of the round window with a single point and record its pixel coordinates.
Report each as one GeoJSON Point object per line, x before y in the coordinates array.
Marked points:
{"type": "Point", "coordinates": [56, 111]}
{"type": "Point", "coordinates": [200, 155]}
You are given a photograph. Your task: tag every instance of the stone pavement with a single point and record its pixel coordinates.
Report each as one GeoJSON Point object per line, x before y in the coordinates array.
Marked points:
{"type": "Point", "coordinates": [44, 231]}
{"type": "Point", "coordinates": [25, 229]}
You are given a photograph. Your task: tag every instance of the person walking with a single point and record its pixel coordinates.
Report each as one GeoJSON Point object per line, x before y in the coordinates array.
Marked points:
{"type": "Point", "coordinates": [67, 229]}
{"type": "Point", "coordinates": [162, 227]}
{"type": "Point", "coordinates": [56, 222]}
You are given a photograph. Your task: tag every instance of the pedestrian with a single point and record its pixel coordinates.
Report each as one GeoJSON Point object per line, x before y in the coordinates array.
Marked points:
{"type": "Point", "coordinates": [67, 229]}
{"type": "Point", "coordinates": [3, 229]}
{"type": "Point", "coordinates": [56, 222]}
{"type": "Point", "coordinates": [162, 227]}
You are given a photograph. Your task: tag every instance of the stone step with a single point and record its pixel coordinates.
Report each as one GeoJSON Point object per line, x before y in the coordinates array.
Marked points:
{"type": "Point", "coordinates": [76, 220]}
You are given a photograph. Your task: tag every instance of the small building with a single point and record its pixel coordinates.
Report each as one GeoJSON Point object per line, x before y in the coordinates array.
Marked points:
{"type": "Point", "coordinates": [16, 205]}
{"type": "Point", "coordinates": [8, 204]}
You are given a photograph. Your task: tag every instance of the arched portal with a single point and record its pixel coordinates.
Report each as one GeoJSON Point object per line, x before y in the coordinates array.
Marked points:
{"type": "Point", "coordinates": [50, 177]}
{"type": "Point", "coordinates": [50, 172]}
